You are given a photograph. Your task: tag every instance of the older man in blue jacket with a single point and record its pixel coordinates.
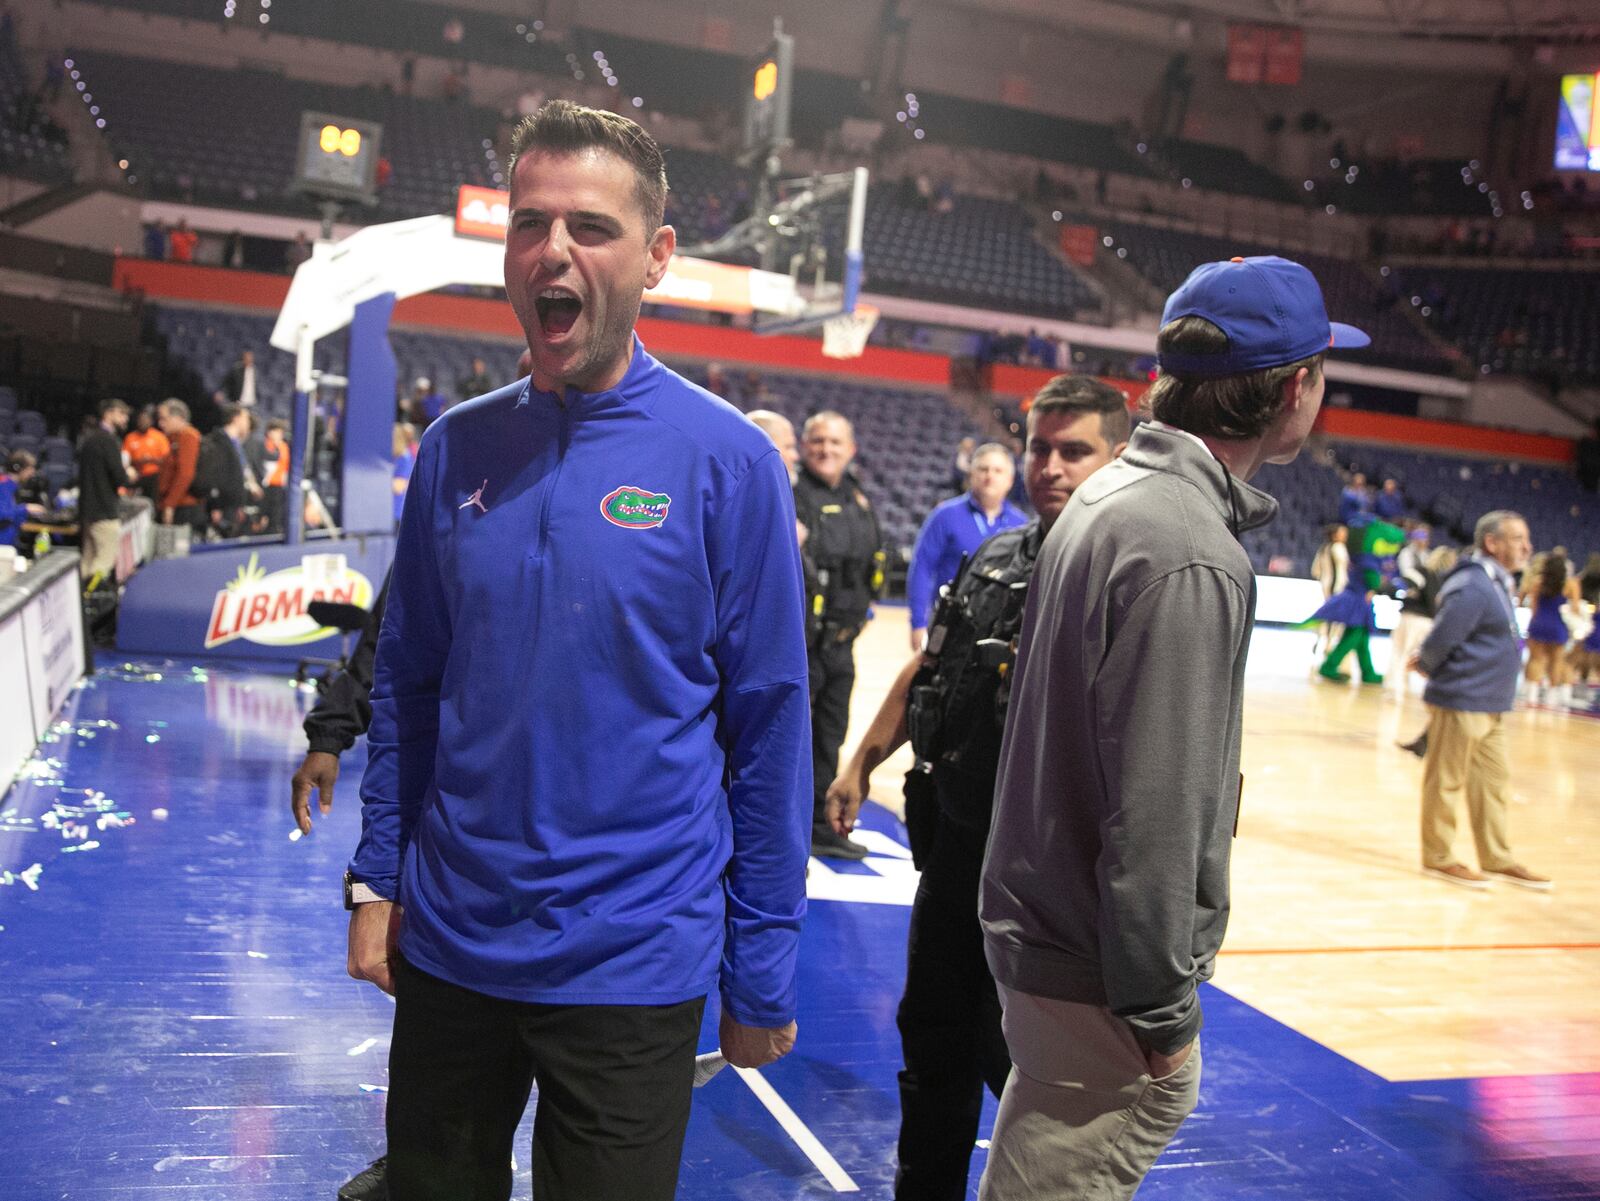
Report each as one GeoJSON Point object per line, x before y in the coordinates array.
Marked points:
{"type": "Point", "coordinates": [1471, 658]}
{"type": "Point", "coordinates": [956, 528]}
{"type": "Point", "coordinates": [588, 790]}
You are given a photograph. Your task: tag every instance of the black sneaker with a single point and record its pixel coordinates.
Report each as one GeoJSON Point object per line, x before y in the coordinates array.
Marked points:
{"type": "Point", "coordinates": [828, 843]}
{"type": "Point", "coordinates": [371, 1183]}
{"type": "Point", "coordinates": [1418, 746]}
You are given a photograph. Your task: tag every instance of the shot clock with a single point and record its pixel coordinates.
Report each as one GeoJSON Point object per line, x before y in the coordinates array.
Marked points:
{"type": "Point", "coordinates": [338, 157]}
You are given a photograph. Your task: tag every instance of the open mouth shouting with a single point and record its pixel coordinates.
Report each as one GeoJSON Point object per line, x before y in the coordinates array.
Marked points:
{"type": "Point", "coordinates": [557, 309]}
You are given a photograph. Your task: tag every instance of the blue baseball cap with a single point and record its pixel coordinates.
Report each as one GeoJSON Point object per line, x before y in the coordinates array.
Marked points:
{"type": "Point", "coordinates": [1270, 308]}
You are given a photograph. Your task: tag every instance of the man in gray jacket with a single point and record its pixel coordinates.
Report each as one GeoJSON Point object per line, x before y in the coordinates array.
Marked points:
{"type": "Point", "coordinates": [1105, 889]}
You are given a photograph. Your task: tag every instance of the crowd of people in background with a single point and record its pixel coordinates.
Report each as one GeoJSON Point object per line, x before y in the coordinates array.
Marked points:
{"type": "Point", "coordinates": [1031, 349]}
{"type": "Point", "coordinates": [1562, 640]}
{"type": "Point", "coordinates": [178, 243]}
{"type": "Point", "coordinates": [228, 482]}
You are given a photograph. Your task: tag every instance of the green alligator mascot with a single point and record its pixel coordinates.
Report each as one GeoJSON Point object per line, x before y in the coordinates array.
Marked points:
{"type": "Point", "coordinates": [1373, 546]}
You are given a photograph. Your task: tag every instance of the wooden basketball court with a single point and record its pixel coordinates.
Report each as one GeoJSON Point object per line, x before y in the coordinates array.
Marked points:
{"type": "Point", "coordinates": [1335, 932]}
{"type": "Point", "coordinates": [180, 1024]}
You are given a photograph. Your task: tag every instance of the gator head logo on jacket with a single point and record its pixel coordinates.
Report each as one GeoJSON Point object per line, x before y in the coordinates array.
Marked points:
{"type": "Point", "coordinates": [635, 508]}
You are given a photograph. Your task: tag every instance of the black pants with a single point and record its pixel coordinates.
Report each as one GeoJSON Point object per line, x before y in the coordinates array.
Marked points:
{"type": "Point", "coordinates": [193, 516]}
{"type": "Point", "coordinates": [272, 505]}
{"type": "Point", "coordinates": [949, 1022]}
{"type": "Point", "coordinates": [614, 1089]}
{"type": "Point", "coordinates": [832, 673]}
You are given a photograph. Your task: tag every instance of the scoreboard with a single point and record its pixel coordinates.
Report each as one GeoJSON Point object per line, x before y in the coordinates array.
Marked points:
{"type": "Point", "coordinates": [1578, 124]}
{"type": "Point", "coordinates": [337, 158]}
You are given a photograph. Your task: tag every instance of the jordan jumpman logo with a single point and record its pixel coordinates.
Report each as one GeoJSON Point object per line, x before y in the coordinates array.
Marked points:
{"type": "Point", "coordinates": [476, 499]}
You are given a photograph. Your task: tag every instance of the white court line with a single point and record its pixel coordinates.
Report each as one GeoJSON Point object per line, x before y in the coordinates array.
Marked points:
{"type": "Point", "coordinates": [797, 1130]}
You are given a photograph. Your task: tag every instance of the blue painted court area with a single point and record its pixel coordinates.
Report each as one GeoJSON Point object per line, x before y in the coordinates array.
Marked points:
{"type": "Point", "coordinates": [178, 1023]}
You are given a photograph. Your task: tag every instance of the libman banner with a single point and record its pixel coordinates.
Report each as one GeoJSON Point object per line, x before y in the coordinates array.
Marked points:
{"type": "Point", "coordinates": [270, 608]}
{"type": "Point", "coordinates": [249, 602]}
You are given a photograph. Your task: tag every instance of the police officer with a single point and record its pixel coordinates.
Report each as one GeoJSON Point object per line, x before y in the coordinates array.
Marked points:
{"type": "Point", "coordinates": [951, 702]}
{"type": "Point", "coordinates": [845, 548]}
{"type": "Point", "coordinates": [341, 716]}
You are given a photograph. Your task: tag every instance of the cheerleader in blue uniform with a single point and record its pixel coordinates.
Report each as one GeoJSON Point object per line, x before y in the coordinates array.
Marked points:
{"type": "Point", "coordinates": [1547, 589]}
{"type": "Point", "coordinates": [1585, 660]}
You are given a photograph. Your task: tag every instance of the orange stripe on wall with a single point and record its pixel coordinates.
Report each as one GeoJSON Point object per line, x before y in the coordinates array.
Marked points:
{"type": "Point", "coordinates": [1446, 435]}
{"type": "Point", "coordinates": [466, 314]}
{"type": "Point", "coordinates": [470, 314]}
{"type": "Point", "coordinates": [1007, 379]}
{"type": "Point", "coordinates": [790, 352]}
{"type": "Point", "coordinates": [206, 285]}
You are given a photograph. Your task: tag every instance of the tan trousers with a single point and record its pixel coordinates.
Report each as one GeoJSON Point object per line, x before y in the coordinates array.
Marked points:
{"type": "Point", "coordinates": [1080, 1118]}
{"type": "Point", "coordinates": [1466, 758]}
{"type": "Point", "coordinates": [97, 550]}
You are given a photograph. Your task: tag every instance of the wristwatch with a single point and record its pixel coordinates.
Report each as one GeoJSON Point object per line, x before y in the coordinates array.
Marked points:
{"type": "Point", "coordinates": [357, 893]}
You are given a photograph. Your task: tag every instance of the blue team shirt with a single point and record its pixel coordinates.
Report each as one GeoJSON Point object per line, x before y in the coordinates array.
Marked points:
{"type": "Point", "coordinates": [1353, 502]}
{"type": "Point", "coordinates": [589, 775]}
{"type": "Point", "coordinates": [955, 528]}
{"type": "Point", "coordinates": [12, 511]}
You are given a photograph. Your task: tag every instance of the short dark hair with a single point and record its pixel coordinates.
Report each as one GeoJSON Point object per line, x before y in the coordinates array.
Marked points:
{"type": "Point", "coordinates": [20, 461]}
{"type": "Point", "coordinates": [226, 413]}
{"type": "Point", "coordinates": [279, 424]}
{"type": "Point", "coordinates": [109, 404]}
{"type": "Point", "coordinates": [1085, 394]}
{"type": "Point", "coordinates": [562, 127]}
{"type": "Point", "coordinates": [1238, 407]}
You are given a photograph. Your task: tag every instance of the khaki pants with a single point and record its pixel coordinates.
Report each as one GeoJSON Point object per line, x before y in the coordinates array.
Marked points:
{"type": "Point", "coordinates": [1466, 757]}
{"type": "Point", "coordinates": [1080, 1119]}
{"type": "Point", "coordinates": [97, 549]}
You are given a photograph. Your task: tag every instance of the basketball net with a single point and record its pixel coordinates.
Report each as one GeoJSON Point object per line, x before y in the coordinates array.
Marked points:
{"type": "Point", "coordinates": [845, 336]}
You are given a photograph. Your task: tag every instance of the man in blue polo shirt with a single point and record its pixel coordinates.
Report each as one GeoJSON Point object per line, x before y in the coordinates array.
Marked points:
{"type": "Point", "coordinates": [956, 528]}
{"type": "Point", "coordinates": [588, 790]}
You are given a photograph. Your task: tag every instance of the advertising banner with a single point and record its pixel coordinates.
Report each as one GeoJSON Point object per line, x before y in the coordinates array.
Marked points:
{"type": "Point", "coordinates": [1271, 54]}
{"type": "Point", "coordinates": [52, 628]}
{"type": "Point", "coordinates": [1247, 51]}
{"type": "Point", "coordinates": [18, 722]}
{"type": "Point", "coordinates": [1285, 53]}
{"type": "Point", "coordinates": [250, 602]}
{"type": "Point", "coordinates": [482, 212]}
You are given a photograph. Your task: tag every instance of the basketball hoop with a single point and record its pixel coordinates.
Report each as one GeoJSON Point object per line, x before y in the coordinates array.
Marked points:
{"type": "Point", "coordinates": [845, 336]}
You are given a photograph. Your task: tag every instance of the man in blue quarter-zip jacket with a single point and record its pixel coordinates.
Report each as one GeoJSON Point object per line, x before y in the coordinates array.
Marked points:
{"type": "Point", "coordinates": [587, 798]}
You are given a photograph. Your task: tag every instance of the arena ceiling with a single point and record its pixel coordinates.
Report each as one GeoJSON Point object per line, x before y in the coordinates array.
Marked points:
{"type": "Point", "coordinates": [1552, 21]}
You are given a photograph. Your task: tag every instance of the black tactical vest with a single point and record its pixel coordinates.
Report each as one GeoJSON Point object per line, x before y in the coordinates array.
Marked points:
{"type": "Point", "coordinates": [957, 711]}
